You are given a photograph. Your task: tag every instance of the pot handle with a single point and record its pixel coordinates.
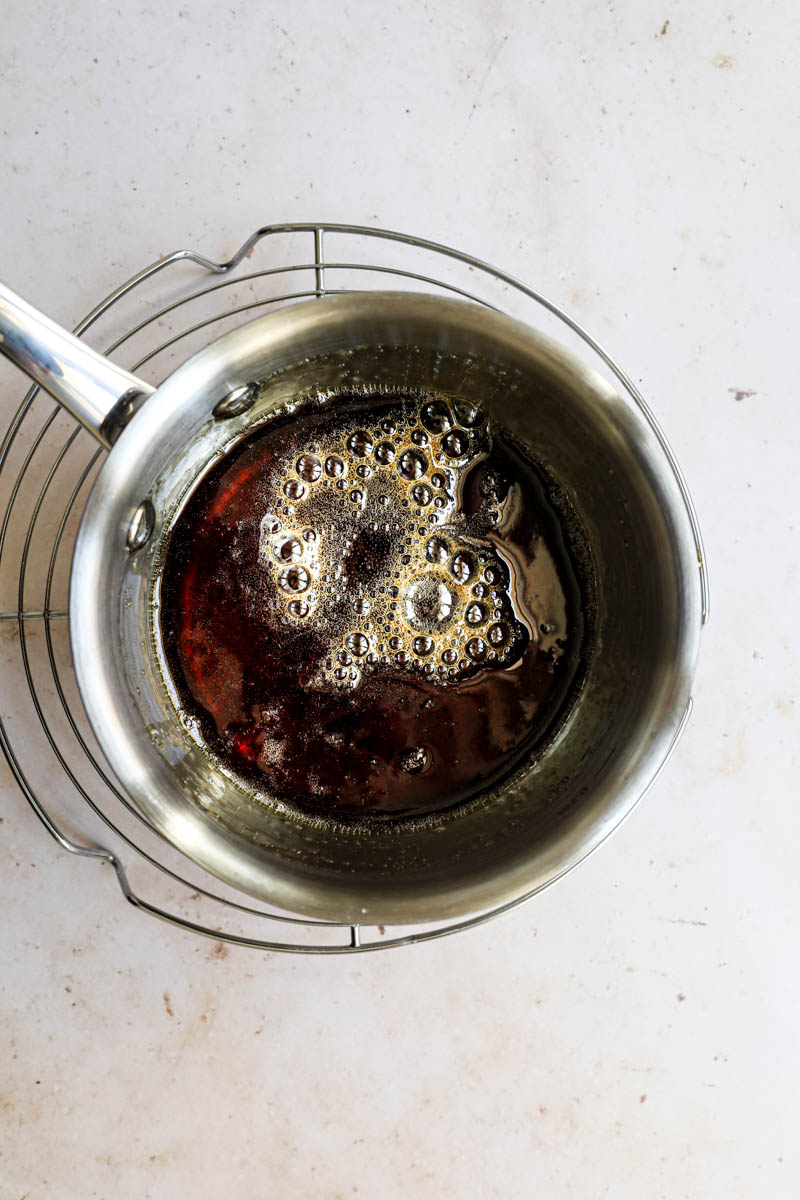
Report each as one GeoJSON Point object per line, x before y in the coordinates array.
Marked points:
{"type": "Point", "coordinates": [101, 395]}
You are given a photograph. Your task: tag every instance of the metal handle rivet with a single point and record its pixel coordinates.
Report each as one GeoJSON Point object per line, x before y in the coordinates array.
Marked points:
{"type": "Point", "coordinates": [141, 526]}
{"type": "Point", "coordinates": [236, 402]}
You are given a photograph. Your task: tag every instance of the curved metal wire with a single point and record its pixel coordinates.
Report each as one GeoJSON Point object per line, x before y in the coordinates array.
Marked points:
{"type": "Point", "coordinates": [321, 272]}
{"type": "Point", "coordinates": [118, 795]}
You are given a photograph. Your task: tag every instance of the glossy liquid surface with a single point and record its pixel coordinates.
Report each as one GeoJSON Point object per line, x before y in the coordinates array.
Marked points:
{"type": "Point", "coordinates": [370, 608]}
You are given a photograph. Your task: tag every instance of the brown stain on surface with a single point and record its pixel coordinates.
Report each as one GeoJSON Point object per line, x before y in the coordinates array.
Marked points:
{"type": "Point", "coordinates": [734, 755]}
{"type": "Point", "coordinates": [723, 62]}
{"type": "Point", "coordinates": [487, 73]}
{"type": "Point", "coordinates": [168, 1004]}
{"type": "Point", "coordinates": [742, 393]}
{"type": "Point", "coordinates": [218, 951]}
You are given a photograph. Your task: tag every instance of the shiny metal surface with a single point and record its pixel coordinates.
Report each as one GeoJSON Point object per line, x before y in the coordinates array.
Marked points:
{"type": "Point", "coordinates": [239, 401]}
{"type": "Point", "coordinates": [679, 513]}
{"type": "Point", "coordinates": [141, 527]}
{"type": "Point", "coordinates": [98, 393]}
{"type": "Point", "coordinates": [546, 818]}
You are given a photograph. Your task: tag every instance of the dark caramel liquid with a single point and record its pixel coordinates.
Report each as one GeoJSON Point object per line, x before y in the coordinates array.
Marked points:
{"type": "Point", "coordinates": [371, 608]}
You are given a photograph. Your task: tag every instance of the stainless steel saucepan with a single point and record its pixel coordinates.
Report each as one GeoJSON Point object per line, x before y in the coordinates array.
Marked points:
{"type": "Point", "coordinates": [608, 458]}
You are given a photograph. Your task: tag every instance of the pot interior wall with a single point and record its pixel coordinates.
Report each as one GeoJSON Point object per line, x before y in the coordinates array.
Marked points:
{"type": "Point", "coordinates": [551, 811]}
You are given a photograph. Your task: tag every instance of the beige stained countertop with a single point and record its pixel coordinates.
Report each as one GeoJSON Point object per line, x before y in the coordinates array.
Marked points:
{"type": "Point", "coordinates": [631, 1032]}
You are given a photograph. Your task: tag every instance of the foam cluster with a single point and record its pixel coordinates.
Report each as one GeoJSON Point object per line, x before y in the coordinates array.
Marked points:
{"type": "Point", "coordinates": [368, 543]}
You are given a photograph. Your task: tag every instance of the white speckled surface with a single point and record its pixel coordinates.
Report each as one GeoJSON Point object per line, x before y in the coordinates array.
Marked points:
{"type": "Point", "coordinates": [632, 1032]}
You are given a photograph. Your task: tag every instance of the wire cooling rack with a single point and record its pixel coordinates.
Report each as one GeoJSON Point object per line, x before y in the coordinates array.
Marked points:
{"type": "Point", "coordinates": [151, 324]}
